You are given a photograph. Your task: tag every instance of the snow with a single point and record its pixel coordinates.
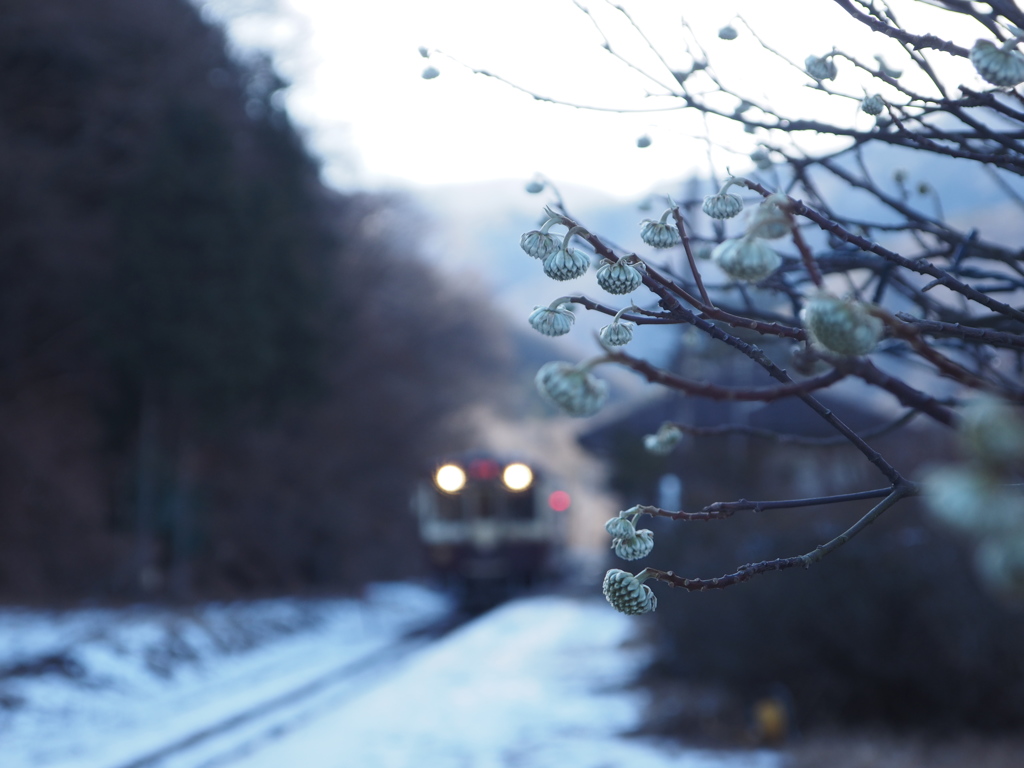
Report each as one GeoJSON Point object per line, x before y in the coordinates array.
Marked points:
{"type": "Point", "coordinates": [550, 695]}
{"type": "Point", "coordinates": [152, 675]}
{"type": "Point", "coordinates": [537, 683]}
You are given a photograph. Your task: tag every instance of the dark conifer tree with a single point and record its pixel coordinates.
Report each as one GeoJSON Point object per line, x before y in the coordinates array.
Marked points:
{"type": "Point", "coordinates": [193, 389]}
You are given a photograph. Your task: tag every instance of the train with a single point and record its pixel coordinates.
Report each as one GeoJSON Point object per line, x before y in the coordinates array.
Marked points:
{"type": "Point", "coordinates": [491, 527]}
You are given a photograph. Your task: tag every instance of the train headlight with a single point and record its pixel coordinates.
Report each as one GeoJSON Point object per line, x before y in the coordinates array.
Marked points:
{"type": "Point", "coordinates": [450, 478]}
{"type": "Point", "coordinates": [517, 477]}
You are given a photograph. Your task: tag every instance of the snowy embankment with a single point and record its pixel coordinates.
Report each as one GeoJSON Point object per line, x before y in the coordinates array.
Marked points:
{"type": "Point", "coordinates": [97, 688]}
{"type": "Point", "coordinates": [536, 683]}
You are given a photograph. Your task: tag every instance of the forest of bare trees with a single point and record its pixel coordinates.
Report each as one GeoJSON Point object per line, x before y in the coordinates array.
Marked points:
{"type": "Point", "coordinates": [216, 375]}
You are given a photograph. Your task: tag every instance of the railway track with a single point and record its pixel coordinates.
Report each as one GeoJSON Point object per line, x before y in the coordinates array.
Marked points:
{"type": "Point", "coordinates": [241, 733]}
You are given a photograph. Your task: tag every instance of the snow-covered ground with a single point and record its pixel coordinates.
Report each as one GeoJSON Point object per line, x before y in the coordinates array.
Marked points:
{"type": "Point", "coordinates": [537, 683]}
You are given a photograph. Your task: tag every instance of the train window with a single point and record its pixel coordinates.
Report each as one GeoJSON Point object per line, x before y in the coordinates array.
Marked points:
{"type": "Point", "coordinates": [449, 507]}
{"type": "Point", "coordinates": [520, 506]}
{"type": "Point", "coordinates": [485, 507]}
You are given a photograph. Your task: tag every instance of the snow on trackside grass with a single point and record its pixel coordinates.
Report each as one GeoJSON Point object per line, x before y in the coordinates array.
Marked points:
{"type": "Point", "coordinates": [541, 682]}
{"type": "Point", "coordinates": [537, 683]}
{"type": "Point", "coordinates": [94, 687]}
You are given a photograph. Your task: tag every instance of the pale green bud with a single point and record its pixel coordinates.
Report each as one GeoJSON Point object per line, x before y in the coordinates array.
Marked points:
{"type": "Point", "coordinates": [617, 333]}
{"type": "Point", "coordinates": [974, 502]}
{"type": "Point", "coordinates": [746, 258]}
{"type": "Point", "coordinates": [566, 264]}
{"type": "Point", "coordinates": [620, 527]}
{"type": "Point", "coordinates": [552, 321]}
{"type": "Point", "coordinates": [627, 593]}
{"type": "Point", "coordinates": [636, 546]}
{"type": "Point", "coordinates": [620, 277]}
{"type": "Point", "coordinates": [664, 441]}
{"type": "Point", "coordinates": [722, 206]}
{"type": "Point", "coordinates": [573, 389]}
{"type": "Point", "coordinates": [842, 327]}
{"type": "Point", "coordinates": [872, 105]}
{"type": "Point", "coordinates": [769, 221]}
{"type": "Point", "coordinates": [539, 245]}
{"type": "Point", "coordinates": [659, 234]}
{"type": "Point", "coordinates": [992, 431]}
{"type": "Point", "coordinates": [999, 65]}
{"type": "Point", "coordinates": [821, 67]}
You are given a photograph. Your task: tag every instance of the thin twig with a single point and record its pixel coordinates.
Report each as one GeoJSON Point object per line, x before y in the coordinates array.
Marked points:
{"type": "Point", "coordinates": [721, 510]}
{"type": "Point", "coordinates": [752, 570]}
{"type": "Point", "coordinates": [681, 227]}
{"type": "Point", "coordinates": [790, 439]}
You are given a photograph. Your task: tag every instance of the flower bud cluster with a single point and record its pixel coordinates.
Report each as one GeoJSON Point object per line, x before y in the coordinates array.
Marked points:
{"type": "Point", "coordinates": [552, 320]}
{"type": "Point", "coordinates": [769, 221]}
{"type": "Point", "coordinates": [620, 277]}
{"type": "Point", "coordinates": [560, 261]}
{"type": "Point", "coordinates": [664, 441]}
{"type": "Point", "coordinates": [872, 105]}
{"type": "Point", "coordinates": [539, 243]}
{"type": "Point", "coordinates": [566, 264]}
{"type": "Point", "coordinates": [982, 497]}
{"type": "Point", "coordinates": [821, 67]}
{"type": "Point", "coordinates": [991, 431]}
{"type": "Point", "coordinates": [842, 327]}
{"type": "Point", "coordinates": [974, 500]}
{"type": "Point", "coordinates": [577, 393]}
{"type": "Point", "coordinates": [627, 593]}
{"type": "Point", "coordinates": [620, 527]}
{"type": "Point", "coordinates": [634, 547]}
{"type": "Point", "coordinates": [746, 258]}
{"type": "Point", "coordinates": [572, 388]}
{"type": "Point", "coordinates": [723, 205]}
{"type": "Point", "coordinates": [660, 234]}
{"type": "Point", "coordinates": [627, 541]}
{"type": "Point", "coordinates": [617, 333]}
{"type": "Point", "coordinates": [1000, 65]}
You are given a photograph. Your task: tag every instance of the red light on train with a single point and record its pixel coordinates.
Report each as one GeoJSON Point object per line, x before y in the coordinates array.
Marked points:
{"type": "Point", "coordinates": [484, 469]}
{"type": "Point", "coordinates": [559, 501]}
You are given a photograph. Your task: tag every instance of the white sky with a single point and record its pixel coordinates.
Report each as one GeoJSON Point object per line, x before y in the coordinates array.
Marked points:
{"type": "Point", "coordinates": [358, 91]}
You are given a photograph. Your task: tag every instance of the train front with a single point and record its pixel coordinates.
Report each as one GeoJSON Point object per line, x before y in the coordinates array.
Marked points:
{"type": "Point", "coordinates": [491, 528]}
